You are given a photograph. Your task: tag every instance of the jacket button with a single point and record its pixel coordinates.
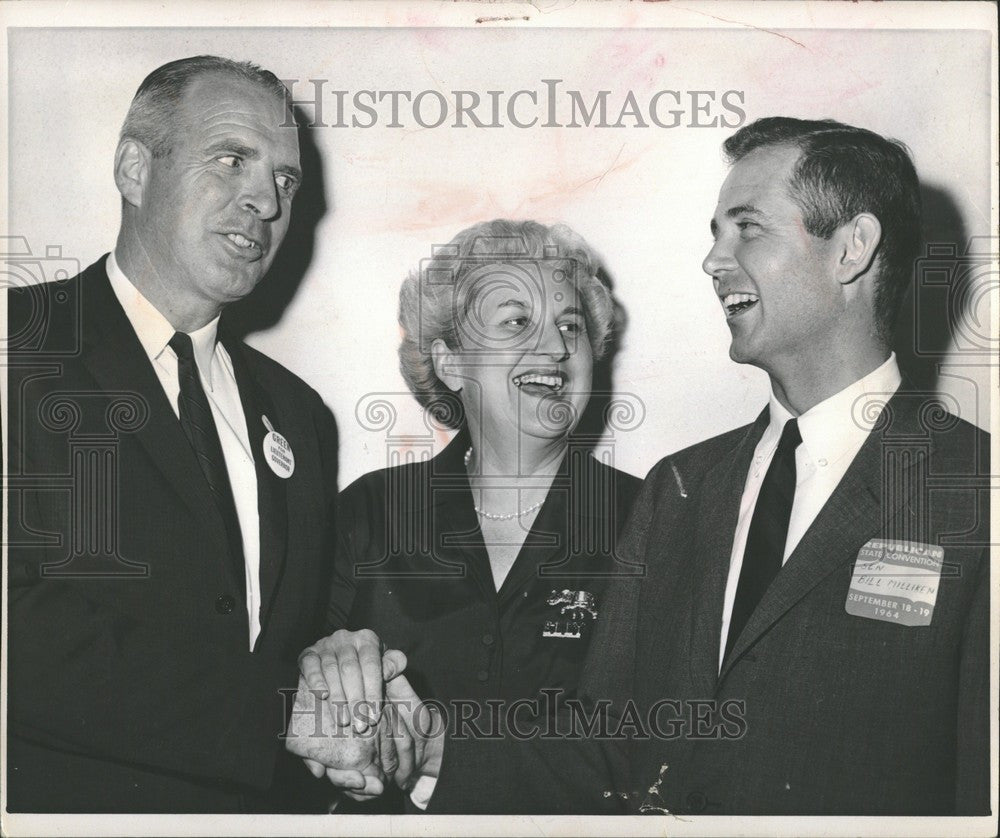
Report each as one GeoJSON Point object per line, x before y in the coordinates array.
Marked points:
{"type": "Point", "coordinates": [483, 675]}
{"type": "Point", "coordinates": [696, 802]}
{"type": "Point", "coordinates": [487, 639]}
{"type": "Point", "coordinates": [225, 604]}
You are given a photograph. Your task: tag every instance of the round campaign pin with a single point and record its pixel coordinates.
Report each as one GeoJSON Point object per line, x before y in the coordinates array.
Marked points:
{"type": "Point", "coordinates": [278, 452]}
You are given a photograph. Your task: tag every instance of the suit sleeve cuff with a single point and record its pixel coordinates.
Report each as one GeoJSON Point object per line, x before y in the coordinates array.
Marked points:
{"type": "Point", "coordinates": [422, 791]}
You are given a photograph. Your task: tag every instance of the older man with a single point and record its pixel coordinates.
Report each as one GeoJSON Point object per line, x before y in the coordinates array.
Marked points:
{"type": "Point", "coordinates": [811, 635]}
{"type": "Point", "coordinates": [172, 488]}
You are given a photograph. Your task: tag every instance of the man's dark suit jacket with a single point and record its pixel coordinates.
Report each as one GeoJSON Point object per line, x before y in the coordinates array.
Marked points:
{"type": "Point", "coordinates": [842, 714]}
{"type": "Point", "coordinates": [131, 684]}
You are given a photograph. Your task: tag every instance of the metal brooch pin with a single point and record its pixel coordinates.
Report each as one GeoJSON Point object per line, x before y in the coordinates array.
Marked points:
{"type": "Point", "coordinates": [576, 607]}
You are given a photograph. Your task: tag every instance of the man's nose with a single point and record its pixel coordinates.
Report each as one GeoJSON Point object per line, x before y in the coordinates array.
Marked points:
{"type": "Point", "coordinates": [260, 195]}
{"type": "Point", "coordinates": [719, 259]}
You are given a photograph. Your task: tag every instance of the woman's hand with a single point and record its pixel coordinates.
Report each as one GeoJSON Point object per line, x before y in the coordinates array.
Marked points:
{"type": "Point", "coordinates": [418, 737]}
{"type": "Point", "coordinates": [350, 669]}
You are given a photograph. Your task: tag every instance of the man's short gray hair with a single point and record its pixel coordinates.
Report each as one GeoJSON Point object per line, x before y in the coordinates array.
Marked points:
{"type": "Point", "coordinates": [152, 115]}
{"type": "Point", "coordinates": [434, 296]}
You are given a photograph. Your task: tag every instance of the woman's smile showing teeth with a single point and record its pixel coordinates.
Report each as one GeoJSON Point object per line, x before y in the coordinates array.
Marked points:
{"type": "Point", "coordinates": [540, 382]}
{"type": "Point", "coordinates": [738, 303]}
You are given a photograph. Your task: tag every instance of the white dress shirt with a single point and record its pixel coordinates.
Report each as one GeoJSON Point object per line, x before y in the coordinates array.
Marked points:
{"type": "Point", "coordinates": [215, 368]}
{"type": "Point", "coordinates": [833, 432]}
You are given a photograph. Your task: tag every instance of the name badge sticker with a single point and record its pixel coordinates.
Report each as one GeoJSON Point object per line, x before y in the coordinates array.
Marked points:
{"type": "Point", "coordinates": [896, 581]}
{"type": "Point", "coordinates": [278, 452]}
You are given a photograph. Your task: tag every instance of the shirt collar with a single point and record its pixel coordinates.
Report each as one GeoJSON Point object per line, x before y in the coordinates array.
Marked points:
{"type": "Point", "coordinates": [153, 329]}
{"type": "Point", "coordinates": [839, 424]}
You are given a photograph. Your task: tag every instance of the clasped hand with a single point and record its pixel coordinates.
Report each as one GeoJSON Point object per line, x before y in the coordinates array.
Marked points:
{"type": "Point", "coordinates": [357, 719]}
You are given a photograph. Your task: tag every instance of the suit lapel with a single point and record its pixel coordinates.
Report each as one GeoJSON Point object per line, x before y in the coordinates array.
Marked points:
{"type": "Point", "coordinates": [272, 502]}
{"type": "Point", "coordinates": [116, 360]}
{"type": "Point", "coordinates": [716, 518]}
{"type": "Point", "coordinates": [457, 540]}
{"type": "Point", "coordinates": [577, 492]}
{"type": "Point", "coordinates": [575, 531]}
{"type": "Point", "coordinates": [546, 549]}
{"type": "Point", "coordinates": [854, 513]}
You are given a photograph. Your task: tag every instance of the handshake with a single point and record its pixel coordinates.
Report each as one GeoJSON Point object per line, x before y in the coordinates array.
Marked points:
{"type": "Point", "coordinates": [357, 719]}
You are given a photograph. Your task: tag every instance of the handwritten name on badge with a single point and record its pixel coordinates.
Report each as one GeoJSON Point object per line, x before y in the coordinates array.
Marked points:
{"type": "Point", "coordinates": [896, 581]}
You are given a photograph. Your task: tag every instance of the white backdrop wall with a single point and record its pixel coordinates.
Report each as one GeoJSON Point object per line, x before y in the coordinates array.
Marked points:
{"type": "Point", "coordinates": [641, 196]}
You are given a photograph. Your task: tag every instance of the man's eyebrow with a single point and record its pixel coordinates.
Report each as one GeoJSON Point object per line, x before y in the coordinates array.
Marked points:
{"type": "Point", "coordinates": [233, 147]}
{"type": "Point", "coordinates": [742, 209]}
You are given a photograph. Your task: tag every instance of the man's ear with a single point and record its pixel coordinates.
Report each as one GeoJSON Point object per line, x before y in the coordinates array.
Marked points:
{"type": "Point", "coordinates": [857, 243]}
{"type": "Point", "coordinates": [445, 362]}
{"type": "Point", "coordinates": [133, 162]}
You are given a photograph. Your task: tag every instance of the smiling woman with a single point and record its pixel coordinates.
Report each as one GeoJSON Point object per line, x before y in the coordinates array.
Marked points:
{"type": "Point", "coordinates": [487, 564]}
{"type": "Point", "coordinates": [511, 316]}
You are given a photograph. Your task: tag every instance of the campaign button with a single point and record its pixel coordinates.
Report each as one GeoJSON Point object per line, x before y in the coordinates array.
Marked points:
{"type": "Point", "coordinates": [278, 455]}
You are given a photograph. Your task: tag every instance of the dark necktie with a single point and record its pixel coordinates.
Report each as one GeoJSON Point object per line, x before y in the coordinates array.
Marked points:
{"type": "Point", "coordinates": [199, 427]}
{"type": "Point", "coordinates": [765, 547]}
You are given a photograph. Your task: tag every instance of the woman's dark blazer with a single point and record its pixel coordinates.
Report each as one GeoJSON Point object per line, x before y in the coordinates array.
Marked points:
{"type": "Point", "coordinates": [411, 565]}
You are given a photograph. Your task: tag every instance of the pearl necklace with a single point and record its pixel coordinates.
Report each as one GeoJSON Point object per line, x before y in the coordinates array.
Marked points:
{"type": "Point", "coordinates": [482, 513]}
